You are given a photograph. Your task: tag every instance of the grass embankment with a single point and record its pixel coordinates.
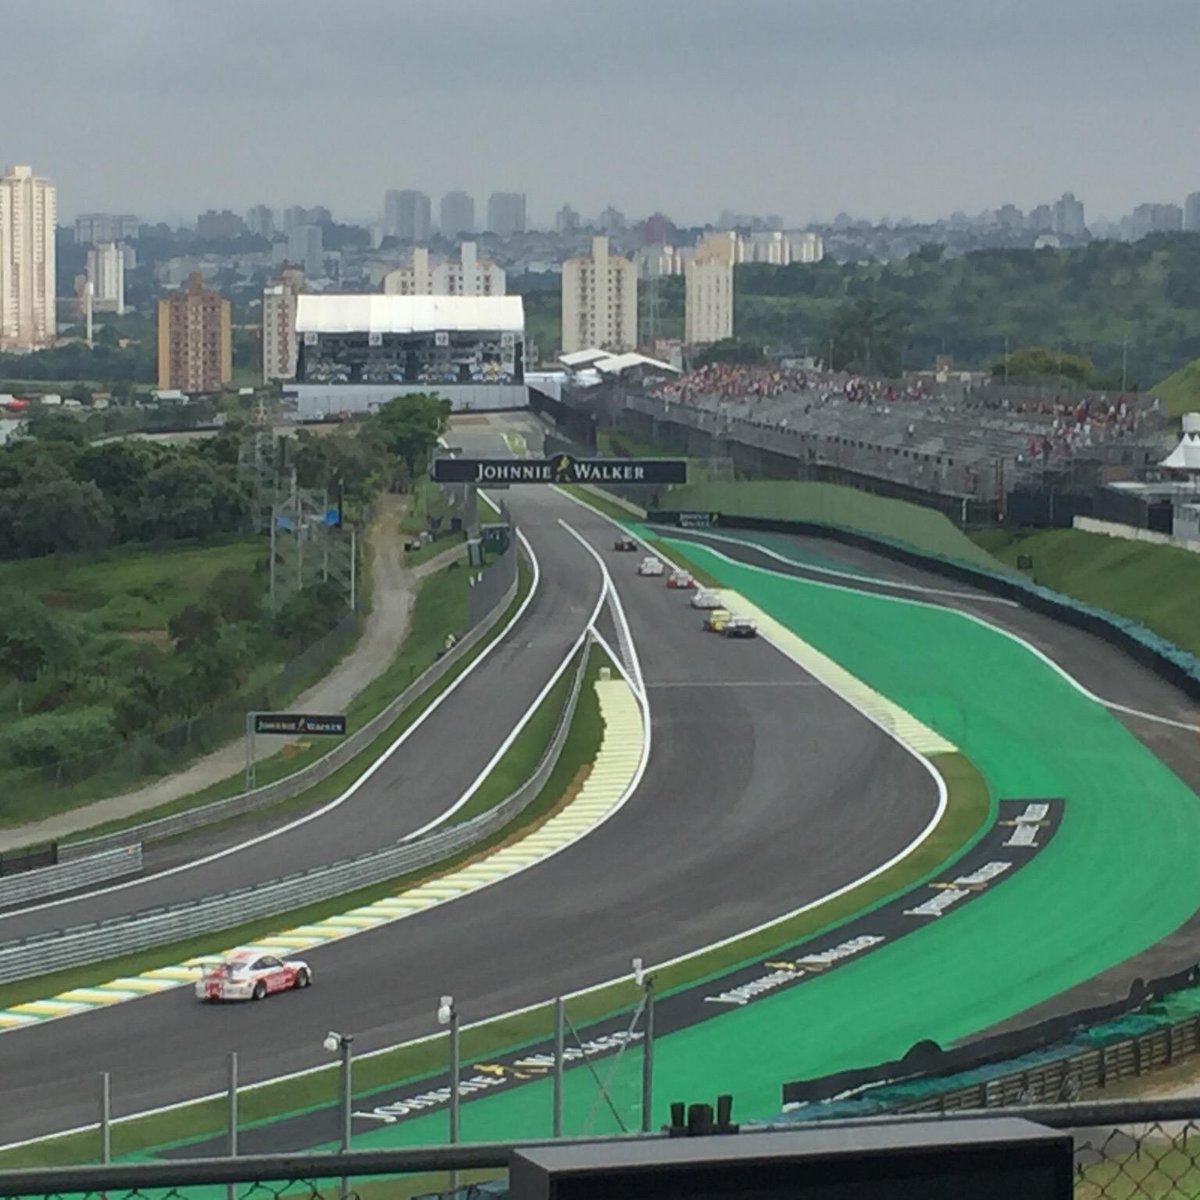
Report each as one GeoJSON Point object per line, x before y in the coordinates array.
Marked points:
{"type": "Point", "coordinates": [439, 609]}
{"type": "Point", "coordinates": [1180, 391]}
{"type": "Point", "coordinates": [431, 509]}
{"type": "Point", "coordinates": [922, 529]}
{"type": "Point", "coordinates": [1156, 585]}
{"type": "Point", "coordinates": [600, 502]}
{"type": "Point", "coordinates": [205, 1118]}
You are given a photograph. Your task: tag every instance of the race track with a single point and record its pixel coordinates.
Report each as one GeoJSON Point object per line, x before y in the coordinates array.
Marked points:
{"type": "Point", "coordinates": [763, 791]}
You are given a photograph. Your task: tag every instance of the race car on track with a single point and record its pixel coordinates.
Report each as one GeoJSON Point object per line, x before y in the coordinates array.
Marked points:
{"type": "Point", "coordinates": [740, 627]}
{"type": "Point", "coordinates": [681, 579]}
{"type": "Point", "coordinates": [251, 975]}
{"type": "Point", "coordinates": [706, 598]}
{"type": "Point", "coordinates": [625, 544]}
{"type": "Point", "coordinates": [717, 619]}
{"type": "Point", "coordinates": [650, 566]}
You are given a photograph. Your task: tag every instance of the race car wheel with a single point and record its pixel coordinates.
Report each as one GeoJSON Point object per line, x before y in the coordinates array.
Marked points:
{"type": "Point", "coordinates": [303, 979]}
{"type": "Point", "coordinates": [260, 990]}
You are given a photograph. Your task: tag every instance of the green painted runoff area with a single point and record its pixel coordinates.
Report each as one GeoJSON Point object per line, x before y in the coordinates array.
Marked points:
{"type": "Point", "coordinates": [1120, 874]}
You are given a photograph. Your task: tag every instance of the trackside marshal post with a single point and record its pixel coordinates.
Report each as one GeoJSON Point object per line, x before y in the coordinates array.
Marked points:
{"type": "Point", "coordinates": [302, 724]}
{"type": "Point", "coordinates": [562, 468]}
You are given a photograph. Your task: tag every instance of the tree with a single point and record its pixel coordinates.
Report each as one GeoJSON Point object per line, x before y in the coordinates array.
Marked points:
{"type": "Point", "coordinates": [236, 595]}
{"type": "Point", "coordinates": [51, 513]}
{"type": "Point", "coordinates": [409, 427]}
{"type": "Point", "coordinates": [1039, 363]}
{"type": "Point", "coordinates": [34, 640]}
{"type": "Point", "coordinates": [730, 350]}
{"type": "Point", "coordinates": [188, 497]}
{"type": "Point", "coordinates": [866, 336]}
{"type": "Point", "coordinates": [193, 625]}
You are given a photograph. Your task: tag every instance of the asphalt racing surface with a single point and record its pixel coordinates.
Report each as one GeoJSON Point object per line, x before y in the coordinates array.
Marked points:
{"type": "Point", "coordinates": [763, 791]}
{"type": "Point", "coordinates": [423, 778]}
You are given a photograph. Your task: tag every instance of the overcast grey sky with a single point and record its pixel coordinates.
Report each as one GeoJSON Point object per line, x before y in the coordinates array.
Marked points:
{"type": "Point", "coordinates": [801, 107]}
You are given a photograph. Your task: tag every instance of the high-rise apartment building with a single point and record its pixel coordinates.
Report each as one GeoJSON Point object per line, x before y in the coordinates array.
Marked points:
{"type": "Point", "coordinates": [1191, 213]}
{"type": "Point", "coordinates": [260, 221]}
{"type": "Point", "coordinates": [306, 248]}
{"type": "Point", "coordinates": [1157, 218]}
{"type": "Point", "coordinates": [219, 225]}
{"type": "Point", "coordinates": [612, 220]}
{"type": "Point", "coordinates": [406, 215]}
{"type": "Point", "coordinates": [195, 348]}
{"type": "Point", "coordinates": [770, 247]}
{"type": "Point", "coordinates": [27, 222]}
{"type": "Point", "coordinates": [805, 247]}
{"type": "Point", "coordinates": [567, 220]}
{"type": "Point", "coordinates": [279, 325]}
{"type": "Point", "coordinates": [456, 214]}
{"type": "Point", "coordinates": [106, 274]}
{"type": "Point", "coordinates": [101, 227]}
{"type": "Point", "coordinates": [599, 301]}
{"type": "Point", "coordinates": [656, 262]}
{"type": "Point", "coordinates": [506, 213]}
{"type": "Point", "coordinates": [708, 289]}
{"type": "Point", "coordinates": [470, 275]}
{"type": "Point", "coordinates": [294, 215]}
{"type": "Point", "coordinates": [1068, 217]}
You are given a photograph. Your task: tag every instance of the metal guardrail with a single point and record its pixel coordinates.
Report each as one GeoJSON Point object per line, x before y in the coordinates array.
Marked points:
{"type": "Point", "coordinates": [41, 954]}
{"type": "Point", "coordinates": [67, 876]}
{"type": "Point", "coordinates": [306, 777]}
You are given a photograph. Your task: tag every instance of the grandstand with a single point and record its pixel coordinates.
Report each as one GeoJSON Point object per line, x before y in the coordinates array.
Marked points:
{"type": "Point", "coordinates": [358, 351]}
{"type": "Point", "coordinates": [976, 443]}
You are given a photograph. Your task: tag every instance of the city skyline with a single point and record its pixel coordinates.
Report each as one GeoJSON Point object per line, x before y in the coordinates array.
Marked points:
{"type": "Point", "coordinates": [867, 107]}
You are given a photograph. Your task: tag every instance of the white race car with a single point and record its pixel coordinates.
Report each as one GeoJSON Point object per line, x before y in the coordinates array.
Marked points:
{"type": "Point", "coordinates": [650, 566]}
{"type": "Point", "coordinates": [251, 975]}
{"type": "Point", "coordinates": [706, 598]}
{"type": "Point", "coordinates": [681, 579]}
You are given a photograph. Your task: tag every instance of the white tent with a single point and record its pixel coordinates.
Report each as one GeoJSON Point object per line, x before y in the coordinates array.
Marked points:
{"type": "Point", "coordinates": [1186, 456]}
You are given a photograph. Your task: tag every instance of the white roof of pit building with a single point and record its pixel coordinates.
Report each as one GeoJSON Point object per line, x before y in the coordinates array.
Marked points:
{"type": "Point", "coordinates": [408, 314]}
{"type": "Point", "coordinates": [582, 358]}
{"type": "Point", "coordinates": [616, 363]}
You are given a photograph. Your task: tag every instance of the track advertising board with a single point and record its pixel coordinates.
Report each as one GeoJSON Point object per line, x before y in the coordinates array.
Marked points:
{"type": "Point", "coordinates": [307, 723]}
{"type": "Point", "coordinates": [562, 468]}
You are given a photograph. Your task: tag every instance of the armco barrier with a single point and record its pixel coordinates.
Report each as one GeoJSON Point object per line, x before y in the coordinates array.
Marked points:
{"type": "Point", "coordinates": [314, 773]}
{"type": "Point", "coordinates": [1176, 666]}
{"type": "Point", "coordinates": [102, 940]}
{"type": "Point", "coordinates": [67, 876]}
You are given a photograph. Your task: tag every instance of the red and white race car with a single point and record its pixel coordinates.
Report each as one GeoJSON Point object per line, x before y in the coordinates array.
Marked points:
{"type": "Point", "coordinates": [252, 975]}
{"type": "Point", "coordinates": [680, 579]}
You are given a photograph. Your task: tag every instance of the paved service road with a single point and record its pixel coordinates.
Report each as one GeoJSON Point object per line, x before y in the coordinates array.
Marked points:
{"type": "Point", "coordinates": [763, 791]}
{"type": "Point", "coordinates": [420, 781]}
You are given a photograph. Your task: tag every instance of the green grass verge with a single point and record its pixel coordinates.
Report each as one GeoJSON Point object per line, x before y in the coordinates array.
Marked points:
{"type": "Point", "coordinates": [1180, 391]}
{"type": "Point", "coordinates": [521, 759]}
{"type": "Point", "coordinates": [912, 525]}
{"type": "Point", "coordinates": [440, 608]}
{"type": "Point", "coordinates": [414, 558]}
{"type": "Point", "coordinates": [1156, 585]}
{"type": "Point", "coordinates": [204, 1117]}
{"type": "Point", "coordinates": [601, 503]}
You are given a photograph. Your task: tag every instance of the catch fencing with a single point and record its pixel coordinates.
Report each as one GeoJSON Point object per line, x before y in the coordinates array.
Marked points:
{"type": "Point", "coordinates": [69, 876]}
{"type": "Point", "coordinates": [342, 753]}
{"type": "Point", "coordinates": [96, 942]}
{"type": "Point", "coordinates": [1122, 1151]}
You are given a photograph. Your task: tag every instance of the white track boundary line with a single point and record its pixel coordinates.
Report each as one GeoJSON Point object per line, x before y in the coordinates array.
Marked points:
{"type": "Point", "coordinates": [335, 803]}
{"type": "Point", "coordinates": [628, 792]}
{"type": "Point", "coordinates": [1060, 670]}
{"type": "Point", "coordinates": [886, 583]}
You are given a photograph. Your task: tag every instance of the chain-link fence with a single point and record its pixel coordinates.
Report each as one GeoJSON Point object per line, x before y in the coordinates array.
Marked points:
{"type": "Point", "coordinates": [1121, 1151]}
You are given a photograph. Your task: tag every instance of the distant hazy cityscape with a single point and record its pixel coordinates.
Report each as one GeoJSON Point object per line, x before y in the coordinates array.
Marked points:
{"type": "Point", "coordinates": [227, 270]}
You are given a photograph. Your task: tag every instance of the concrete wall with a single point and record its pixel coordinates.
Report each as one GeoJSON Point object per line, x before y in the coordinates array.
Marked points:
{"type": "Point", "coordinates": [1133, 534]}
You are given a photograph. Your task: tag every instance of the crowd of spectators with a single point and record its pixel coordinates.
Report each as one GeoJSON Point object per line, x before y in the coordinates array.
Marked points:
{"type": "Point", "coordinates": [1061, 426]}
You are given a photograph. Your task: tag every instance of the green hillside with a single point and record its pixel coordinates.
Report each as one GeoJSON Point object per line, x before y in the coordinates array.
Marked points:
{"type": "Point", "coordinates": [1180, 391]}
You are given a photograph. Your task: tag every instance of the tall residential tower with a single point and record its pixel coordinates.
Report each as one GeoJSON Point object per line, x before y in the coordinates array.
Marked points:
{"type": "Point", "coordinates": [27, 221]}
